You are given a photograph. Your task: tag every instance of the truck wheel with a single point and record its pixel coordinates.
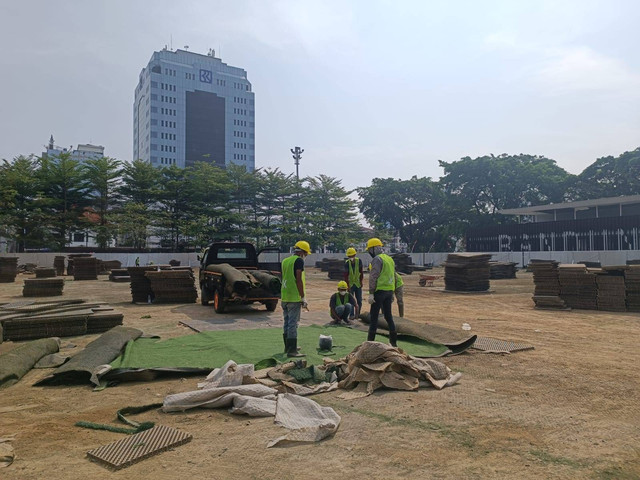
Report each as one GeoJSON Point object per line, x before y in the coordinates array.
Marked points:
{"type": "Point", "coordinates": [271, 305]}
{"type": "Point", "coordinates": [205, 296]}
{"type": "Point", "coordinates": [218, 302]}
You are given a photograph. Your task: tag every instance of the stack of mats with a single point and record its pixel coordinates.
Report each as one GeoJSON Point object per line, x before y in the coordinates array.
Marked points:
{"type": "Point", "coordinates": [119, 275]}
{"type": "Point", "coordinates": [500, 270]}
{"type": "Point", "coordinates": [404, 264]}
{"type": "Point", "coordinates": [30, 320]}
{"type": "Point", "coordinates": [174, 263]}
{"type": "Point", "coordinates": [85, 268]}
{"type": "Point", "coordinates": [547, 286]}
{"type": "Point", "coordinates": [467, 272]}
{"type": "Point", "coordinates": [43, 287]}
{"type": "Point", "coordinates": [611, 289]}
{"type": "Point", "coordinates": [58, 264]}
{"type": "Point", "coordinates": [8, 269]}
{"type": "Point", "coordinates": [105, 266]}
{"type": "Point", "coordinates": [140, 285]}
{"type": "Point", "coordinates": [632, 286]}
{"type": "Point", "coordinates": [578, 286]}
{"type": "Point", "coordinates": [45, 272]}
{"type": "Point", "coordinates": [335, 267]}
{"type": "Point", "coordinates": [173, 286]}
{"type": "Point", "coordinates": [71, 260]}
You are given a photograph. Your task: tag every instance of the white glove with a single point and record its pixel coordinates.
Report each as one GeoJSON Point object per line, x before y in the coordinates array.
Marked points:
{"type": "Point", "coordinates": [304, 303]}
{"type": "Point", "coordinates": [371, 299]}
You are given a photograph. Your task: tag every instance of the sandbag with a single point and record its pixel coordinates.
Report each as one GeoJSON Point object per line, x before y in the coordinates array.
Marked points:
{"type": "Point", "coordinates": [268, 281]}
{"type": "Point", "coordinates": [455, 340]}
{"type": "Point", "coordinates": [236, 280]}
{"type": "Point", "coordinates": [82, 368]}
{"type": "Point", "coordinates": [16, 363]}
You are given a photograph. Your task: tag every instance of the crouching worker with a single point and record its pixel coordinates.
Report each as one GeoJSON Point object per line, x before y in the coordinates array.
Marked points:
{"type": "Point", "coordinates": [343, 304]}
{"type": "Point", "coordinates": [292, 295]}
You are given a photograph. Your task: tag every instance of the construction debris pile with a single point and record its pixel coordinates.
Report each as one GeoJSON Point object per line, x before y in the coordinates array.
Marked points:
{"type": "Point", "coordinates": [58, 264]}
{"type": "Point", "coordinates": [43, 287]}
{"type": "Point", "coordinates": [335, 267]}
{"type": "Point", "coordinates": [85, 268]}
{"type": "Point", "coordinates": [578, 286]}
{"type": "Point", "coordinates": [8, 269]}
{"type": "Point", "coordinates": [632, 287]}
{"type": "Point", "coordinates": [119, 275]}
{"type": "Point", "coordinates": [45, 272]}
{"type": "Point", "coordinates": [467, 272]}
{"type": "Point", "coordinates": [610, 288]}
{"type": "Point", "coordinates": [173, 286]}
{"type": "Point", "coordinates": [547, 286]}
{"type": "Point", "coordinates": [501, 270]}
{"type": "Point", "coordinates": [404, 264]}
{"type": "Point", "coordinates": [29, 319]}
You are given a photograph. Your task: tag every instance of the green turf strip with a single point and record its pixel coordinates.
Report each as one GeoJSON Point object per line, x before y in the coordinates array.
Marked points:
{"type": "Point", "coordinates": [257, 346]}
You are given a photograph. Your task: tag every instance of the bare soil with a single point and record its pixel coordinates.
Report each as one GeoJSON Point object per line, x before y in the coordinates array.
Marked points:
{"type": "Point", "coordinates": [568, 409]}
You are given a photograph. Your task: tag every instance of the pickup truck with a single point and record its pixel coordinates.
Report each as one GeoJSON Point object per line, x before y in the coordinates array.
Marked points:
{"type": "Point", "coordinates": [243, 257]}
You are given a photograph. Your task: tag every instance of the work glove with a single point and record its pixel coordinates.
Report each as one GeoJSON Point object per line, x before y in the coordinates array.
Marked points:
{"type": "Point", "coordinates": [304, 303]}
{"type": "Point", "coordinates": [371, 300]}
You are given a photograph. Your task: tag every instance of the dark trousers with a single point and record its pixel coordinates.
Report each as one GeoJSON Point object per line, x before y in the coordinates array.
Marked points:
{"type": "Point", "coordinates": [382, 300]}
{"type": "Point", "coordinates": [357, 292]}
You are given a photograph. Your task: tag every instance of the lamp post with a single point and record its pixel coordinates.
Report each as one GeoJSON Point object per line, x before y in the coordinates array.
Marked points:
{"type": "Point", "coordinates": [297, 155]}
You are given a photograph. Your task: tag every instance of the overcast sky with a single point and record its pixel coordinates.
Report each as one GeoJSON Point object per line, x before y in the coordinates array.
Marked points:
{"type": "Point", "coordinates": [367, 88]}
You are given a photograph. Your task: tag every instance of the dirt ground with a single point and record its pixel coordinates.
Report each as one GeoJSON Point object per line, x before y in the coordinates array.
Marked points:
{"type": "Point", "coordinates": [568, 409]}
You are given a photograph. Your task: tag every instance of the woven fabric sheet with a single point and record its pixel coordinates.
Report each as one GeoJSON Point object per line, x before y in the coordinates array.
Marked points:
{"type": "Point", "coordinates": [493, 345]}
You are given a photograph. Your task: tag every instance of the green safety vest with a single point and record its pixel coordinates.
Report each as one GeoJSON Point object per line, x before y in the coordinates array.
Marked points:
{"type": "Point", "coordinates": [399, 281]}
{"type": "Point", "coordinates": [354, 273]}
{"type": "Point", "coordinates": [289, 289]}
{"type": "Point", "coordinates": [387, 280]}
{"type": "Point", "coordinates": [339, 303]}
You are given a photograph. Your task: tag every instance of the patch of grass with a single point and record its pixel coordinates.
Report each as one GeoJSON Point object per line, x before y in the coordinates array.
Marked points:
{"type": "Point", "coordinates": [460, 437]}
{"type": "Point", "coordinates": [546, 457]}
{"type": "Point", "coordinates": [146, 316]}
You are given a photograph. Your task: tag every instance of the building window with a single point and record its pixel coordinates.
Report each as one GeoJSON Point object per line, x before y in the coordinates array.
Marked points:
{"type": "Point", "coordinates": [78, 237]}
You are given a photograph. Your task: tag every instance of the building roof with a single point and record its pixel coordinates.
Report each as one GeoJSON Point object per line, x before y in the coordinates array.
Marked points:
{"type": "Point", "coordinates": [598, 202]}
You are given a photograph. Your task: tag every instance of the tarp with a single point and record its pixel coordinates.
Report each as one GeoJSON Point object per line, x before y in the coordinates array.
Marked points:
{"type": "Point", "coordinates": [17, 362]}
{"type": "Point", "coordinates": [257, 346]}
{"type": "Point", "coordinates": [83, 367]}
{"type": "Point", "coordinates": [457, 341]}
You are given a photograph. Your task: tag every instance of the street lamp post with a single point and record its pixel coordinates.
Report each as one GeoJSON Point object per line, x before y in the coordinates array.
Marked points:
{"type": "Point", "coordinates": [297, 155]}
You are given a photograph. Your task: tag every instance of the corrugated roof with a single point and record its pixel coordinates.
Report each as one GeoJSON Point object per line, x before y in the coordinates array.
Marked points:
{"type": "Point", "coordinates": [579, 204]}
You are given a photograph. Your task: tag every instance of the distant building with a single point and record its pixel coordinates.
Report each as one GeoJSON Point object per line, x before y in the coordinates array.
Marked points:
{"type": "Point", "coordinates": [192, 108]}
{"type": "Point", "coordinates": [611, 223]}
{"type": "Point", "coordinates": [81, 153]}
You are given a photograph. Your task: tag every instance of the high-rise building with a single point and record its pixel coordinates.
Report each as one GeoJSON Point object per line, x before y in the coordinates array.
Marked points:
{"type": "Point", "coordinates": [81, 153]}
{"type": "Point", "coordinates": [193, 108]}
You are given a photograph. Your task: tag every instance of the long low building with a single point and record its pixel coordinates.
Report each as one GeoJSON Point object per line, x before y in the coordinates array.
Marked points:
{"type": "Point", "coordinates": [602, 224]}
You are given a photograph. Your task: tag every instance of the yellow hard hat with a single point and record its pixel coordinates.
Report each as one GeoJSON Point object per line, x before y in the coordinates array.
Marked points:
{"type": "Point", "coordinates": [351, 252]}
{"type": "Point", "coordinates": [342, 284]}
{"type": "Point", "coordinates": [373, 242]}
{"type": "Point", "coordinates": [304, 246]}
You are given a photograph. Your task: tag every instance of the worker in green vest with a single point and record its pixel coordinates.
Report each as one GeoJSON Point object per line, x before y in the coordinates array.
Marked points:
{"type": "Point", "coordinates": [342, 304]}
{"type": "Point", "coordinates": [382, 283]}
{"type": "Point", "coordinates": [399, 292]}
{"type": "Point", "coordinates": [292, 296]}
{"type": "Point", "coordinates": [353, 275]}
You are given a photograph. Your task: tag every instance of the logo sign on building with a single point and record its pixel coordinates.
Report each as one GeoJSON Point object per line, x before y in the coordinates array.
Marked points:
{"type": "Point", "coordinates": [206, 76]}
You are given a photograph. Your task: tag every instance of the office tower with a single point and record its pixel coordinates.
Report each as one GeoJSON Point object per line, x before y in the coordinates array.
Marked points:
{"type": "Point", "coordinates": [192, 108]}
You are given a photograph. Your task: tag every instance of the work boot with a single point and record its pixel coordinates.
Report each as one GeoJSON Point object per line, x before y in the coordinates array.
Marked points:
{"type": "Point", "coordinates": [292, 348]}
{"type": "Point", "coordinates": [393, 338]}
{"type": "Point", "coordinates": [371, 336]}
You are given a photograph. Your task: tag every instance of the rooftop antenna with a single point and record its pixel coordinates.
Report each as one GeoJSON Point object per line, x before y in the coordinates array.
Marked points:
{"type": "Point", "coordinates": [171, 41]}
{"type": "Point", "coordinates": [186, 47]}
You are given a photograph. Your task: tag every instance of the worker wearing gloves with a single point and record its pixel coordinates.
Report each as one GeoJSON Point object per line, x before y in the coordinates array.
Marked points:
{"type": "Point", "coordinates": [382, 283]}
{"type": "Point", "coordinates": [342, 305]}
{"type": "Point", "coordinates": [353, 275]}
{"type": "Point", "coordinates": [399, 291]}
{"type": "Point", "coordinates": [292, 295]}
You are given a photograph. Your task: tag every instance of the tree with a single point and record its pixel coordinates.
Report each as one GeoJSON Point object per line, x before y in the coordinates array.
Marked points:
{"type": "Point", "coordinates": [276, 203]}
{"type": "Point", "coordinates": [65, 195]}
{"type": "Point", "coordinates": [173, 202]}
{"type": "Point", "coordinates": [21, 215]}
{"type": "Point", "coordinates": [609, 177]}
{"type": "Point", "coordinates": [102, 177]}
{"type": "Point", "coordinates": [140, 182]}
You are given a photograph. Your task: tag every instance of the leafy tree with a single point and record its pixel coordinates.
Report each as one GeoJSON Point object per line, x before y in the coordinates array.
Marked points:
{"type": "Point", "coordinates": [132, 222]}
{"type": "Point", "coordinates": [21, 215]}
{"type": "Point", "coordinates": [102, 177]}
{"type": "Point", "coordinates": [65, 195]}
{"type": "Point", "coordinates": [173, 205]}
{"type": "Point", "coordinates": [609, 177]}
{"type": "Point", "coordinates": [276, 202]}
